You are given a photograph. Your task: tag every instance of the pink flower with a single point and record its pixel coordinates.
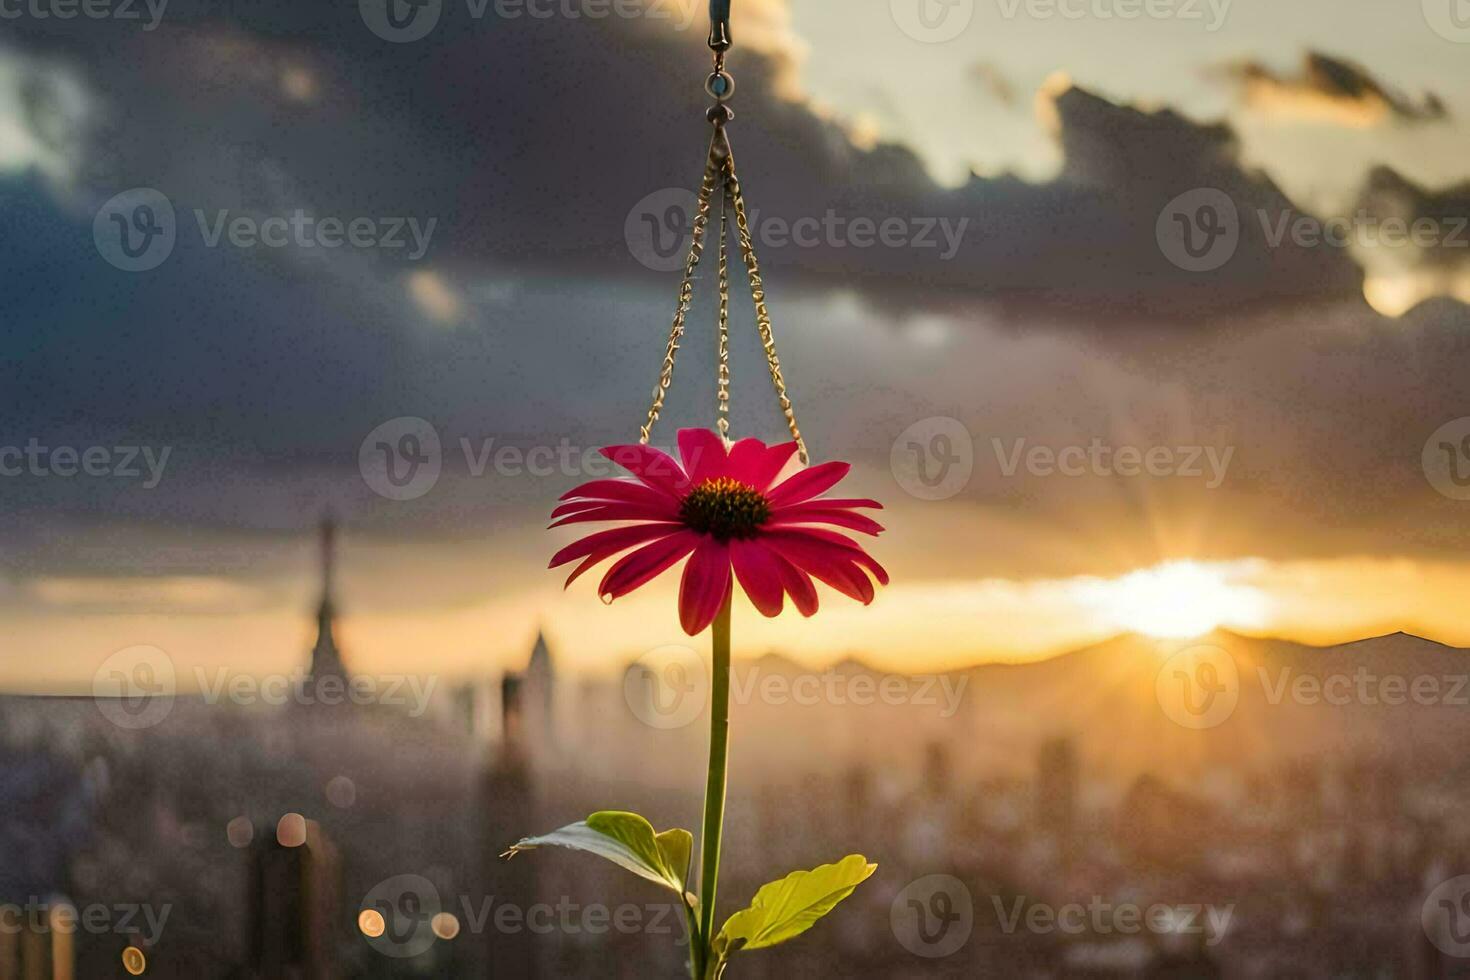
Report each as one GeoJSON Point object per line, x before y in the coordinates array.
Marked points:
{"type": "Point", "coordinates": [721, 510]}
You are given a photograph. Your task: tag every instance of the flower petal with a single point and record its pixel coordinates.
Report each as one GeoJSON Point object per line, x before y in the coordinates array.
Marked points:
{"type": "Point", "coordinates": [798, 585]}
{"type": "Point", "coordinates": [577, 506]}
{"type": "Point", "coordinates": [871, 564]}
{"type": "Point", "coordinates": [614, 512]}
{"type": "Point", "coordinates": [628, 491]}
{"type": "Point", "coordinates": [666, 507]}
{"type": "Point", "coordinates": [829, 563]}
{"type": "Point", "coordinates": [807, 483]}
{"type": "Point", "coordinates": [654, 467]}
{"type": "Point", "coordinates": [603, 544]}
{"type": "Point", "coordinates": [847, 544]}
{"type": "Point", "coordinates": [755, 568]}
{"type": "Point", "coordinates": [807, 514]}
{"type": "Point", "coordinates": [855, 551]}
{"type": "Point", "coordinates": [638, 567]}
{"type": "Point", "coordinates": [841, 502]}
{"type": "Point", "coordinates": [704, 454]}
{"type": "Point", "coordinates": [705, 586]}
{"type": "Point", "coordinates": [753, 463]}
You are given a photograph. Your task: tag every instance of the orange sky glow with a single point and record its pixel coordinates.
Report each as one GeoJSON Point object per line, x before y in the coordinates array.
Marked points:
{"type": "Point", "coordinates": [913, 625]}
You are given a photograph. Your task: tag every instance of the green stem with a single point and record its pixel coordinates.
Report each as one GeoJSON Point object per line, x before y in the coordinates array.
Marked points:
{"type": "Point", "coordinates": [714, 787]}
{"type": "Point", "coordinates": [696, 944]}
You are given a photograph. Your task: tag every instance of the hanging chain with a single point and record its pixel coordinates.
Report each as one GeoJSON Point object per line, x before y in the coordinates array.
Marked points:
{"type": "Point", "coordinates": [722, 381]}
{"type": "Point", "coordinates": [686, 291]}
{"type": "Point", "coordinates": [720, 168]}
{"type": "Point", "coordinates": [758, 295]}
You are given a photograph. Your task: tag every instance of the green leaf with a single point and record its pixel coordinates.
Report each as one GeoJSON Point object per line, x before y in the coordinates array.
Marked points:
{"type": "Point", "coordinates": [674, 847]}
{"type": "Point", "coordinates": [787, 908]}
{"type": "Point", "coordinates": [627, 840]}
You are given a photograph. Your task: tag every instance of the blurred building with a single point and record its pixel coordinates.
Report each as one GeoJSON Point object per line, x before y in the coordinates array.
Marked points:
{"type": "Point", "coordinates": [326, 658]}
{"type": "Point", "coordinates": [1056, 788]}
{"type": "Point", "coordinates": [295, 903]}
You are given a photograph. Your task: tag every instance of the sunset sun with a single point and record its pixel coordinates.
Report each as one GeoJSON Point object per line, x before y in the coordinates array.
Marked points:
{"type": "Point", "coordinates": [1179, 599]}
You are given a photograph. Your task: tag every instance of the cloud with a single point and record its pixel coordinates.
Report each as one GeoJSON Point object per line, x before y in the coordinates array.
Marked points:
{"type": "Point", "coordinates": [1329, 90]}
{"type": "Point", "coordinates": [178, 593]}
{"type": "Point", "coordinates": [532, 142]}
{"type": "Point", "coordinates": [1413, 242]}
{"type": "Point", "coordinates": [1057, 317]}
{"type": "Point", "coordinates": [44, 109]}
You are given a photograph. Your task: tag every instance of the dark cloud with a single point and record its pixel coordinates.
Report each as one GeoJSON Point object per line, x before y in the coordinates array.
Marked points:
{"type": "Point", "coordinates": [1123, 171]}
{"type": "Point", "coordinates": [530, 141]}
{"type": "Point", "coordinates": [1418, 230]}
{"type": "Point", "coordinates": [1329, 89]}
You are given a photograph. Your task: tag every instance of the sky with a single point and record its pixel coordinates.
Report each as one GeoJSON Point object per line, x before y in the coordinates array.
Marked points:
{"type": "Point", "coordinates": [1081, 420]}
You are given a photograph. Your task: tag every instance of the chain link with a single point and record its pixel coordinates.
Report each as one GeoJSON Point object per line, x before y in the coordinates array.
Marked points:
{"type": "Point", "coordinates": [720, 168]}
{"type": "Point", "coordinates": [758, 295]}
{"type": "Point", "coordinates": [722, 381]}
{"type": "Point", "coordinates": [686, 291]}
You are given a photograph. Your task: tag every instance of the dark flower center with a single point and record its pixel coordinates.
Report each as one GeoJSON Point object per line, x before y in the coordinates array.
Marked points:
{"type": "Point", "coordinates": [724, 508]}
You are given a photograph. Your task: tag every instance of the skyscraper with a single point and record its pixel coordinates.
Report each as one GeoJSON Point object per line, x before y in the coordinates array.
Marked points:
{"type": "Point", "coordinates": [295, 905]}
{"type": "Point", "coordinates": [507, 809]}
{"type": "Point", "coordinates": [538, 701]}
{"type": "Point", "coordinates": [38, 944]}
{"type": "Point", "coordinates": [326, 659]}
{"type": "Point", "coordinates": [1056, 788]}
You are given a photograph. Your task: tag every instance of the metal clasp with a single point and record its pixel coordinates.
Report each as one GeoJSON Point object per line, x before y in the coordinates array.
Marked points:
{"type": "Point", "coordinates": [719, 25]}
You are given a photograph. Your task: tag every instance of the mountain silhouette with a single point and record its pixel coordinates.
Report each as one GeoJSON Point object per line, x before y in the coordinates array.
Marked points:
{"type": "Point", "coordinates": [1209, 706]}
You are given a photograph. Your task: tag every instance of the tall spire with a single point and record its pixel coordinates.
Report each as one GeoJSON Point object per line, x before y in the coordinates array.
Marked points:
{"type": "Point", "coordinates": [540, 662]}
{"type": "Point", "coordinates": [329, 558]}
{"type": "Point", "coordinates": [538, 697]}
{"type": "Point", "coordinates": [326, 659]}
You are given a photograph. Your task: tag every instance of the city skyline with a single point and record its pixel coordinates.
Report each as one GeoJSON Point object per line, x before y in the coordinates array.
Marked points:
{"type": "Point", "coordinates": [912, 626]}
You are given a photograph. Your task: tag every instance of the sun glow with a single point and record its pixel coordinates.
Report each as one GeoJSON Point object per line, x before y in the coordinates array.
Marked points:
{"type": "Point", "coordinates": [1178, 599]}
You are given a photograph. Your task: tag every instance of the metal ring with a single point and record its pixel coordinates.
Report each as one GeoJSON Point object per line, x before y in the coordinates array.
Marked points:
{"type": "Point", "coordinates": [720, 85]}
